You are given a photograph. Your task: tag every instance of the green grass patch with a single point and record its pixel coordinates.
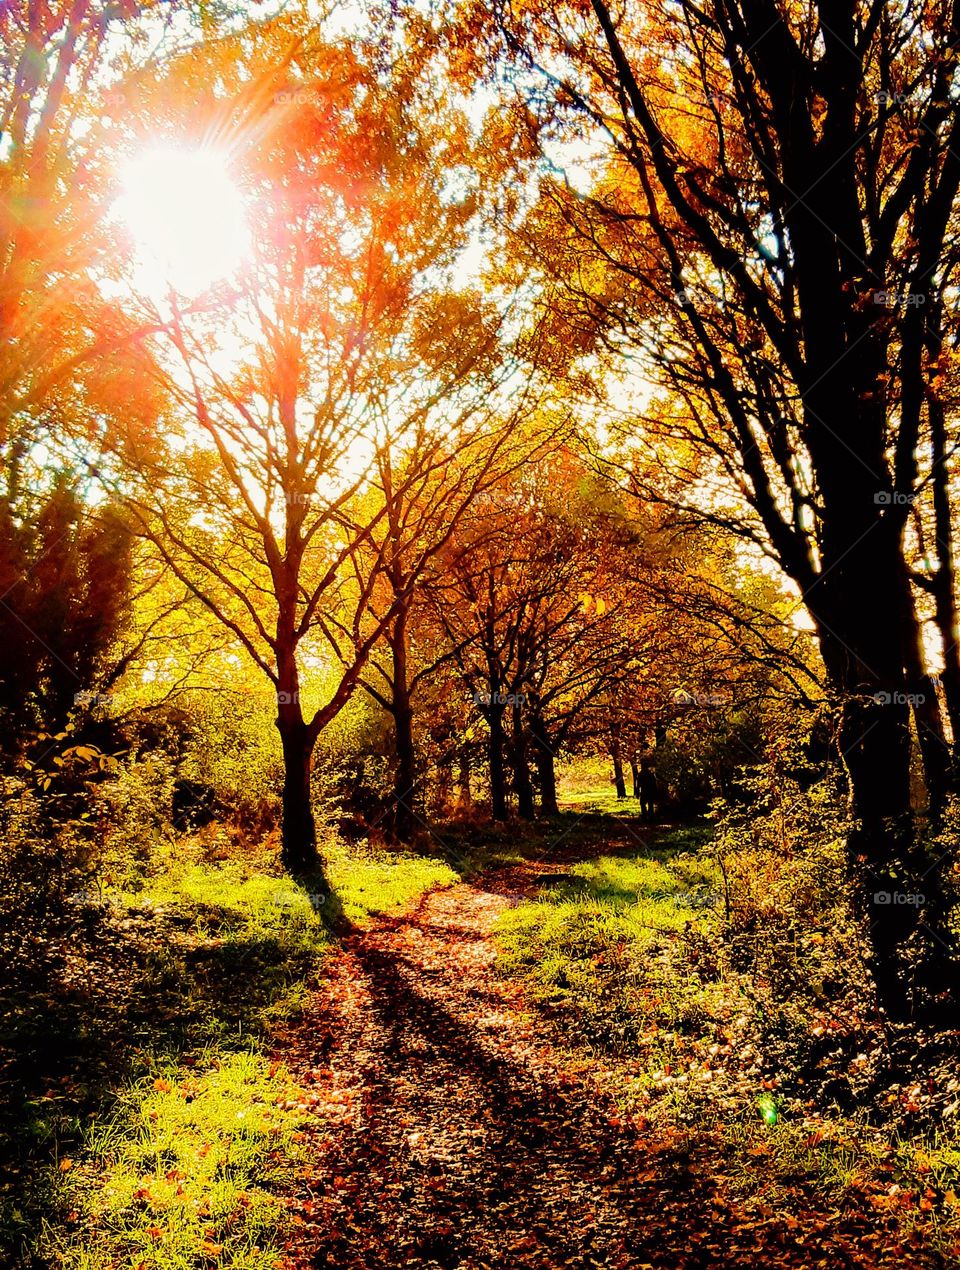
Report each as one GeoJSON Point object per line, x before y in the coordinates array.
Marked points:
{"type": "Point", "coordinates": [603, 948]}
{"type": "Point", "coordinates": [185, 1171]}
{"type": "Point", "coordinates": [629, 956]}
{"type": "Point", "coordinates": [147, 1070]}
{"type": "Point", "coordinates": [368, 881]}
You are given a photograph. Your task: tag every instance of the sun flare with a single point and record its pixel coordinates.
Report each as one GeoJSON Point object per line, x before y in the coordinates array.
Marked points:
{"type": "Point", "coordinates": [187, 218]}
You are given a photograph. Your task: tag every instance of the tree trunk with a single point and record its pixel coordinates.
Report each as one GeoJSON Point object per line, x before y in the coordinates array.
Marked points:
{"type": "Point", "coordinates": [921, 697]}
{"type": "Point", "coordinates": [444, 784]}
{"type": "Point", "coordinates": [944, 594]}
{"type": "Point", "coordinates": [405, 772]}
{"type": "Point", "coordinates": [521, 768]}
{"type": "Point", "coordinates": [618, 770]}
{"type": "Point", "coordinates": [635, 775]}
{"type": "Point", "coordinates": [464, 774]}
{"type": "Point", "coordinates": [543, 757]}
{"type": "Point", "coordinates": [498, 783]}
{"type": "Point", "coordinates": [866, 672]}
{"type": "Point", "coordinates": [299, 835]}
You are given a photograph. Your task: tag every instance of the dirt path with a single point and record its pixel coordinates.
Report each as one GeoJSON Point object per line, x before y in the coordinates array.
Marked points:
{"type": "Point", "coordinates": [448, 1130]}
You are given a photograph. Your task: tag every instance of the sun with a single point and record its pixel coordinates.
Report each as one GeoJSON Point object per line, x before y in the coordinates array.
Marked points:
{"type": "Point", "coordinates": [187, 218]}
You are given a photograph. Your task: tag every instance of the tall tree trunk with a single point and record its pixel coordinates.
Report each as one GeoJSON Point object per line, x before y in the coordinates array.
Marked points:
{"type": "Point", "coordinates": [463, 779]}
{"type": "Point", "coordinates": [866, 671]}
{"type": "Point", "coordinates": [943, 583]}
{"type": "Point", "coordinates": [498, 783]}
{"type": "Point", "coordinates": [521, 770]}
{"type": "Point", "coordinates": [405, 772]}
{"type": "Point", "coordinates": [444, 785]}
{"type": "Point", "coordinates": [618, 768]}
{"type": "Point", "coordinates": [298, 834]}
{"type": "Point", "coordinates": [921, 697]}
{"type": "Point", "coordinates": [543, 757]}
{"type": "Point", "coordinates": [635, 775]}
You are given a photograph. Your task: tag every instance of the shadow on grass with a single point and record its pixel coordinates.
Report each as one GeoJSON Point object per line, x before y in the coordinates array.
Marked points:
{"type": "Point", "coordinates": [136, 988]}
{"type": "Point", "coordinates": [467, 1148]}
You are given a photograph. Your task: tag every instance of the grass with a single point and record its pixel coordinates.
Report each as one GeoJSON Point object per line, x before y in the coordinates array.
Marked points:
{"type": "Point", "coordinates": [148, 1127]}
{"type": "Point", "coordinates": [370, 882]}
{"type": "Point", "coordinates": [184, 1171]}
{"type": "Point", "coordinates": [628, 956]}
{"type": "Point", "coordinates": [603, 949]}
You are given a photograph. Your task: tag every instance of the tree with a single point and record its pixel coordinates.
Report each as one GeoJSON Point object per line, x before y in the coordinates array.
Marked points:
{"type": "Point", "coordinates": [65, 579]}
{"type": "Point", "coordinates": [272, 494]}
{"type": "Point", "coordinates": [775, 233]}
{"type": "Point", "coordinates": [530, 593]}
{"type": "Point", "coordinates": [476, 444]}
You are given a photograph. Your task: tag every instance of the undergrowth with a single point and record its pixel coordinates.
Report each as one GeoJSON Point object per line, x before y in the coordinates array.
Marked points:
{"type": "Point", "coordinates": [144, 1124]}
{"type": "Point", "coordinates": [711, 975]}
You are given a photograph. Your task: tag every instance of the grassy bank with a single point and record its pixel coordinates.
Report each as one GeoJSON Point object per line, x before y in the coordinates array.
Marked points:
{"type": "Point", "coordinates": [145, 1125]}
{"type": "Point", "coordinates": [631, 955]}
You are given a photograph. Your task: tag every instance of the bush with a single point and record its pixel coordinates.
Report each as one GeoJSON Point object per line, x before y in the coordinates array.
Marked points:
{"type": "Point", "coordinates": [131, 813]}
{"type": "Point", "coordinates": [46, 871]}
{"type": "Point", "coordinates": [789, 921]}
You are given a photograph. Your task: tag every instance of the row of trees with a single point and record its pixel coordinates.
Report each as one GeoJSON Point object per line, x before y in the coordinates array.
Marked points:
{"type": "Point", "coordinates": [350, 444]}
{"type": "Point", "coordinates": [365, 458]}
{"type": "Point", "coordinates": [771, 227]}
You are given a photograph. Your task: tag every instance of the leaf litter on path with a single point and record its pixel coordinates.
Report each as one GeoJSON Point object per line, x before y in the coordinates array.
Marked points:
{"type": "Point", "coordinates": [449, 1129]}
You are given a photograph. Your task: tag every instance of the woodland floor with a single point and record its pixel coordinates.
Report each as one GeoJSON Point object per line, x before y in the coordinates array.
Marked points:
{"type": "Point", "coordinates": [455, 1129]}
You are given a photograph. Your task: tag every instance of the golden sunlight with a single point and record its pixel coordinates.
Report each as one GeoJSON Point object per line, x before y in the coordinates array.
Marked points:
{"type": "Point", "coordinates": [187, 218]}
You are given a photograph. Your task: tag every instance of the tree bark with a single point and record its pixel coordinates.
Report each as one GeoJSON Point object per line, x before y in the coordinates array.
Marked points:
{"type": "Point", "coordinates": [874, 741]}
{"type": "Point", "coordinates": [298, 835]}
{"type": "Point", "coordinates": [543, 757]}
{"type": "Point", "coordinates": [618, 770]}
{"type": "Point", "coordinates": [521, 768]}
{"type": "Point", "coordinates": [635, 775]}
{"type": "Point", "coordinates": [405, 774]}
{"type": "Point", "coordinates": [498, 783]}
{"type": "Point", "coordinates": [464, 775]}
{"type": "Point", "coordinates": [403, 819]}
{"type": "Point", "coordinates": [943, 583]}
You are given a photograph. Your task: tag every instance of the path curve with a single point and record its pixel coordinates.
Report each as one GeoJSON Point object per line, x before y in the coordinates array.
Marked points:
{"type": "Point", "coordinates": [447, 1128]}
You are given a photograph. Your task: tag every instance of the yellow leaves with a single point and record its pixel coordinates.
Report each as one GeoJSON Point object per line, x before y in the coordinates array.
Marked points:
{"type": "Point", "coordinates": [162, 1086]}
{"type": "Point", "coordinates": [588, 602]}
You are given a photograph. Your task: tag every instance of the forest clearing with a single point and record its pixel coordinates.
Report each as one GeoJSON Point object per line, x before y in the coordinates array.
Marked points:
{"type": "Point", "coordinates": [479, 638]}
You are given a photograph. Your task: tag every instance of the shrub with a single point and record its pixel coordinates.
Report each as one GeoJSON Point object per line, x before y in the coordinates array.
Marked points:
{"type": "Point", "coordinates": [46, 870]}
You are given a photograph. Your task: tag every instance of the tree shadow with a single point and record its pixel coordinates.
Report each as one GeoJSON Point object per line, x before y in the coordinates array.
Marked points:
{"type": "Point", "coordinates": [468, 1155]}
{"type": "Point", "coordinates": [141, 989]}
